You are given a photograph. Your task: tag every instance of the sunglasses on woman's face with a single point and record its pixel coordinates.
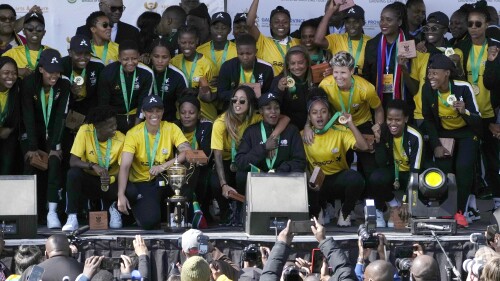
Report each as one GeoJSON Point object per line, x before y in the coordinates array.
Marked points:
{"type": "Point", "coordinates": [427, 29]}
{"type": "Point", "coordinates": [237, 100]}
{"type": "Point", "coordinates": [478, 24]}
{"type": "Point", "coordinates": [104, 24]}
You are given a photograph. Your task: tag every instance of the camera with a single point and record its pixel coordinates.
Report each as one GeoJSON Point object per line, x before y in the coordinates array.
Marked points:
{"type": "Point", "coordinates": [478, 238]}
{"type": "Point", "coordinates": [111, 263]}
{"type": "Point", "coordinates": [474, 266]}
{"type": "Point", "coordinates": [366, 231]}
{"type": "Point", "coordinates": [291, 273]}
{"type": "Point", "coordinates": [403, 266]}
{"type": "Point", "coordinates": [251, 253]}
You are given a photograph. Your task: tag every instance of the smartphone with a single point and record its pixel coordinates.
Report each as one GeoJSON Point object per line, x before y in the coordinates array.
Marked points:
{"type": "Point", "coordinates": [317, 260]}
{"type": "Point", "coordinates": [301, 226]}
{"type": "Point", "coordinates": [111, 263]}
{"type": "Point", "coordinates": [36, 273]}
{"type": "Point", "coordinates": [491, 230]}
{"type": "Point", "coordinates": [202, 244]}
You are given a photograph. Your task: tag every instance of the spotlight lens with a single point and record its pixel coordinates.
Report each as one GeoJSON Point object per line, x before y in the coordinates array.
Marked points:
{"type": "Point", "coordinates": [433, 179]}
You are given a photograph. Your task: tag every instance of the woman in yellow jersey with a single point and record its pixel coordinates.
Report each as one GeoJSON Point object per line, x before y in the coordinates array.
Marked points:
{"type": "Point", "coordinates": [398, 150]}
{"type": "Point", "coordinates": [353, 41]}
{"type": "Point", "coordinates": [102, 46]}
{"type": "Point", "coordinates": [198, 69]}
{"type": "Point", "coordinates": [10, 115]}
{"type": "Point", "coordinates": [94, 165]}
{"type": "Point", "coordinates": [450, 112]}
{"type": "Point", "coordinates": [272, 49]}
{"type": "Point", "coordinates": [226, 135]}
{"type": "Point", "coordinates": [475, 50]}
{"type": "Point", "coordinates": [149, 150]}
{"type": "Point", "coordinates": [328, 152]}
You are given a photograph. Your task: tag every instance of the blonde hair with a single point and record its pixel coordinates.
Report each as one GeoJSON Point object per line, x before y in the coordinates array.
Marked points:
{"type": "Point", "coordinates": [232, 121]}
{"type": "Point", "coordinates": [342, 59]}
{"type": "Point", "coordinates": [486, 254]}
{"type": "Point", "coordinates": [491, 271]}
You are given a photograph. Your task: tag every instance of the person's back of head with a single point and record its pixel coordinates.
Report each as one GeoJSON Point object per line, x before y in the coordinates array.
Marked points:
{"type": "Point", "coordinates": [103, 275]}
{"type": "Point", "coordinates": [195, 269]}
{"type": "Point", "coordinates": [425, 268]}
{"type": "Point", "coordinates": [26, 256]}
{"type": "Point", "coordinates": [491, 270]}
{"type": "Point", "coordinates": [57, 245]}
{"type": "Point", "coordinates": [379, 270]}
{"type": "Point", "coordinates": [189, 241]}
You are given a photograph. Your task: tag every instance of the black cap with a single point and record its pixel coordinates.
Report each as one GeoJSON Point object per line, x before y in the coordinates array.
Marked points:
{"type": "Point", "coordinates": [439, 18]}
{"type": "Point", "coordinates": [51, 61]}
{"type": "Point", "coordinates": [223, 17]}
{"type": "Point", "coordinates": [152, 101]}
{"type": "Point", "coordinates": [34, 16]}
{"type": "Point", "coordinates": [440, 61]}
{"type": "Point", "coordinates": [267, 98]}
{"type": "Point", "coordinates": [355, 12]}
{"type": "Point", "coordinates": [493, 33]}
{"type": "Point", "coordinates": [240, 17]}
{"type": "Point", "coordinates": [80, 43]}
{"type": "Point", "coordinates": [279, 9]}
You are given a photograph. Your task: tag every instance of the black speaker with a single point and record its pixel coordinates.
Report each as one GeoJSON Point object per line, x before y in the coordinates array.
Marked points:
{"type": "Point", "coordinates": [18, 213]}
{"type": "Point", "coordinates": [272, 199]}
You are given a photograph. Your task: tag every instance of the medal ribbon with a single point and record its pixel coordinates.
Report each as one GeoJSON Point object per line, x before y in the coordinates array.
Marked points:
{"type": "Point", "coordinates": [233, 150]}
{"type": "Point", "coordinates": [224, 54]}
{"type": "Point", "coordinates": [71, 76]}
{"type": "Point", "coordinates": [127, 101]}
{"type": "Point", "coordinates": [242, 76]}
{"type": "Point", "coordinates": [358, 50]}
{"type": "Point", "coordinates": [384, 61]}
{"type": "Point", "coordinates": [3, 115]}
{"type": "Point", "coordinates": [46, 109]}
{"type": "Point", "coordinates": [105, 163]}
{"type": "Point", "coordinates": [441, 98]}
{"type": "Point", "coordinates": [278, 46]}
{"type": "Point", "coordinates": [194, 141]}
{"type": "Point", "coordinates": [351, 92]}
{"type": "Point", "coordinates": [151, 154]}
{"type": "Point", "coordinates": [193, 67]}
{"type": "Point", "coordinates": [155, 89]}
{"type": "Point", "coordinates": [475, 64]}
{"type": "Point", "coordinates": [269, 162]}
{"type": "Point", "coordinates": [329, 124]}
{"type": "Point", "coordinates": [104, 51]}
{"type": "Point", "coordinates": [28, 57]}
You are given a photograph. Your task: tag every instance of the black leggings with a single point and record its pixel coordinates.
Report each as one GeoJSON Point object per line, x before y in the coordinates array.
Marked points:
{"type": "Point", "coordinates": [381, 185]}
{"type": "Point", "coordinates": [92, 190]}
{"type": "Point", "coordinates": [347, 185]}
{"type": "Point", "coordinates": [489, 152]}
{"type": "Point", "coordinates": [10, 155]}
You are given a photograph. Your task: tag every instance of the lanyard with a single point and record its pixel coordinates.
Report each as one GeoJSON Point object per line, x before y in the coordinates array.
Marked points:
{"type": "Point", "coordinates": [242, 75]}
{"type": "Point", "coordinates": [193, 67]}
{"type": "Point", "coordinates": [72, 77]}
{"type": "Point", "coordinates": [351, 92]}
{"type": "Point", "coordinates": [194, 141]}
{"type": "Point", "coordinates": [358, 50]}
{"type": "Point", "coordinates": [269, 162]}
{"type": "Point", "coordinates": [171, 36]}
{"type": "Point", "coordinates": [46, 109]}
{"type": "Point", "coordinates": [161, 85]}
{"type": "Point", "coordinates": [318, 58]}
{"type": "Point", "coordinates": [329, 124]}
{"type": "Point", "coordinates": [128, 102]}
{"type": "Point", "coordinates": [276, 42]}
{"type": "Point", "coordinates": [396, 164]}
{"type": "Point", "coordinates": [388, 57]}
{"type": "Point", "coordinates": [441, 98]}
{"type": "Point", "coordinates": [151, 154]}
{"type": "Point", "coordinates": [98, 150]}
{"type": "Point", "coordinates": [224, 54]}
{"type": "Point", "coordinates": [28, 57]}
{"type": "Point", "coordinates": [233, 150]}
{"type": "Point", "coordinates": [475, 65]}
{"type": "Point", "coordinates": [104, 51]}
{"type": "Point", "coordinates": [3, 114]}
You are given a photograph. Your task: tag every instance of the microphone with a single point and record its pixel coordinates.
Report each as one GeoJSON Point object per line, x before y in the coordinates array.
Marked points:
{"type": "Point", "coordinates": [80, 230]}
{"type": "Point", "coordinates": [432, 226]}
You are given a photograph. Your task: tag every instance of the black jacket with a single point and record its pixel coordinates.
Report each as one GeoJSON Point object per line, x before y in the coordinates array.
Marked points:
{"type": "Point", "coordinates": [33, 114]}
{"type": "Point", "coordinates": [432, 122]}
{"type": "Point", "coordinates": [412, 143]}
{"type": "Point", "coordinates": [58, 267]}
{"type": "Point", "coordinates": [491, 80]}
{"type": "Point", "coordinates": [252, 150]}
{"type": "Point", "coordinates": [92, 72]}
{"type": "Point", "coordinates": [229, 78]}
{"type": "Point", "coordinates": [110, 90]}
{"type": "Point", "coordinates": [125, 32]}
{"type": "Point", "coordinates": [175, 82]}
{"type": "Point", "coordinates": [13, 117]}
{"type": "Point", "coordinates": [203, 135]}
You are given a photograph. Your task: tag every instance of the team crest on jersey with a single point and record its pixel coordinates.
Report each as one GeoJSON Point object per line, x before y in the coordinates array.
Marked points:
{"type": "Point", "coordinates": [93, 79]}
{"type": "Point", "coordinates": [284, 142]}
{"type": "Point", "coordinates": [137, 85]}
{"type": "Point", "coordinates": [166, 85]}
{"type": "Point", "coordinates": [164, 151]}
{"type": "Point", "coordinates": [335, 150]}
{"type": "Point", "coordinates": [355, 105]}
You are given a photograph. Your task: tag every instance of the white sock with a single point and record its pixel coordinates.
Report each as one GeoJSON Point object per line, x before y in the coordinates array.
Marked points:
{"type": "Point", "coordinates": [52, 207]}
{"type": "Point", "coordinates": [394, 203]}
{"type": "Point", "coordinates": [71, 216]}
{"type": "Point", "coordinates": [496, 201]}
{"type": "Point", "coordinates": [472, 201]}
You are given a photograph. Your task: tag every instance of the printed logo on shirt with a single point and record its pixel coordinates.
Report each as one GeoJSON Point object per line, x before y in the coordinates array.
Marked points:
{"type": "Point", "coordinates": [355, 105]}
{"type": "Point", "coordinates": [335, 150]}
{"type": "Point", "coordinates": [93, 79]}
{"type": "Point", "coordinates": [284, 142]}
{"type": "Point", "coordinates": [164, 151]}
{"type": "Point", "coordinates": [136, 84]}
{"type": "Point", "coordinates": [278, 63]}
{"type": "Point", "coordinates": [166, 86]}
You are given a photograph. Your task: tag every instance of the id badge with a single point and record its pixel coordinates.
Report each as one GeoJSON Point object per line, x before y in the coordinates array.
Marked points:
{"type": "Point", "coordinates": [387, 82]}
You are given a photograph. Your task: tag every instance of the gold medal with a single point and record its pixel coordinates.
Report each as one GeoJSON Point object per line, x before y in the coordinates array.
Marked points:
{"type": "Point", "coordinates": [451, 99]}
{"type": "Point", "coordinates": [396, 184]}
{"type": "Point", "coordinates": [233, 167]}
{"type": "Point", "coordinates": [343, 120]}
{"type": "Point", "coordinates": [475, 89]}
{"type": "Point", "coordinates": [290, 82]}
{"type": "Point", "coordinates": [78, 80]}
{"type": "Point", "coordinates": [104, 188]}
{"type": "Point", "coordinates": [449, 51]}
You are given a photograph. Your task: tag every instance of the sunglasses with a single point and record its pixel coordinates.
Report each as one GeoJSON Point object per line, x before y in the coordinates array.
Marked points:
{"type": "Point", "coordinates": [7, 19]}
{"type": "Point", "coordinates": [34, 29]}
{"type": "Point", "coordinates": [478, 24]}
{"type": "Point", "coordinates": [114, 9]}
{"type": "Point", "coordinates": [103, 24]}
{"type": "Point", "coordinates": [427, 29]}
{"type": "Point", "coordinates": [240, 101]}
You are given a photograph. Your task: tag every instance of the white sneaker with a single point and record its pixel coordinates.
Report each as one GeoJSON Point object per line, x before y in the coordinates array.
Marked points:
{"type": "Point", "coordinates": [472, 215]}
{"type": "Point", "coordinates": [53, 220]}
{"type": "Point", "coordinates": [115, 218]}
{"type": "Point", "coordinates": [71, 223]}
{"type": "Point", "coordinates": [343, 221]}
{"type": "Point", "coordinates": [380, 219]}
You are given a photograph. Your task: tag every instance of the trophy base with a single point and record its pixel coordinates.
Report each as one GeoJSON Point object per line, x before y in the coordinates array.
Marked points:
{"type": "Point", "coordinates": [176, 199]}
{"type": "Point", "coordinates": [175, 229]}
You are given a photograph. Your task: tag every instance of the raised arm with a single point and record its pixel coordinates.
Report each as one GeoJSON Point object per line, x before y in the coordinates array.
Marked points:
{"type": "Point", "coordinates": [319, 37]}
{"type": "Point", "coordinates": [251, 17]}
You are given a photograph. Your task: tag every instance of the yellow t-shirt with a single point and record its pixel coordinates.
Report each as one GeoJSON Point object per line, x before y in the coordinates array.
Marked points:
{"type": "Point", "coordinates": [248, 76]}
{"type": "Point", "coordinates": [364, 97]}
{"type": "Point", "coordinates": [3, 100]}
{"type": "Point", "coordinates": [329, 151]}
{"type": "Point", "coordinates": [170, 137]}
{"type": "Point", "coordinates": [340, 42]}
{"type": "Point", "coordinates": [419, 73]}
{"type": "Point", "coordinates": [111, 55]}
{"type": "Point", "coordinates": [450, 118]}
{"type": "Point", "coordinates": [19, 55]}
{"type": "Point", "coordinates": [483, 99]}
{"type": "Point", "coordinates": [400, 155]}
{"type": "Point", "coordinates": [205, 49]}
{"type": "Point", "coordinates": [204, 68]}
{"type": "Point", "coordinates": [221, 140]}
{"type": "Point", "coordinates": [268, 51]}
{"type": "Point", "coordinates": [189, 136]}
{"type": "Point", "coordinates": [84, 148]}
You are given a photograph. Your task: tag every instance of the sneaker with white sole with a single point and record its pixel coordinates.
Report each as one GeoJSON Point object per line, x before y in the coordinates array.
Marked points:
{"type": "Point", "coordinates": [472, 215]}
{"type": "Point", "coordinates": [380, 218]}
{"type": "Point", "coordinates": [343, 221]}
{"type": "Point", "coordinates": [53, 220]}
{"type": "Point", "coordinates": [115, 218]}
{"type": "Point", "coordinates": [71, 223]}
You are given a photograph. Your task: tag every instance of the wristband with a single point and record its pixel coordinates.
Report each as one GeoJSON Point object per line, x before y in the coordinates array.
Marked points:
{"type": "Point", "coordinates": [222, 185]}
{"type": "Point", "coordinates": [361, 261]}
